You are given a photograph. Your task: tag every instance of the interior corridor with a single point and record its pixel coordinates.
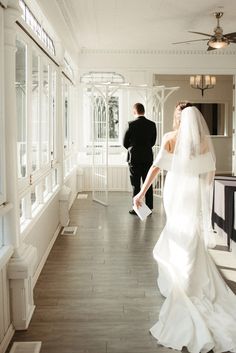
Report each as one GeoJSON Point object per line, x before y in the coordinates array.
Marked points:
{"type": "Point", "coordinates": [97, 292]}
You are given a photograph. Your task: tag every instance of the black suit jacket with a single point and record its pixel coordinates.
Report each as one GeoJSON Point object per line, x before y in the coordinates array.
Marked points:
{"type": "Point", "coordinates": [139, 139]}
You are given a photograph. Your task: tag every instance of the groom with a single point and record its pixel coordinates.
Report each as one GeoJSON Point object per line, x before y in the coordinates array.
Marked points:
{"type": "Point", "coordinates": [139, 139]}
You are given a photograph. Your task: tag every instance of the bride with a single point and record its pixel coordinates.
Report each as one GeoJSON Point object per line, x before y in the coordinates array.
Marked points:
{"type": "Point", "coordinates": [199, 311]}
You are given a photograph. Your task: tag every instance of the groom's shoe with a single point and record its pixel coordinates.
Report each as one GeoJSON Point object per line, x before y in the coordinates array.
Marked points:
{"type": "Point", "coordinates": [133, 212]}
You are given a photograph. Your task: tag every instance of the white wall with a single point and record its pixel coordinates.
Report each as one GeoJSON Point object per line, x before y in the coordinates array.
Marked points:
{"type": "Point", "coordinates": [71, 182]}
{"type": "Point", "coordinates": [141, 67]}
{"type": "Point", "coordinates": [43, 230]}
{"type": "Point", "coordinates": [221, 93]}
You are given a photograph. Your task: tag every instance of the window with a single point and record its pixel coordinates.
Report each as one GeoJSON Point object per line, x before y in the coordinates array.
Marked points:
{"type": "Point", "coordinates": [100, 119]}
{"type": "Point", "coordinates": [67, 115]}
{"type": "Point", "coordinates": [45, 116]}
{"type": "Point", "coordinates": [54, 179]}
{"type": "Point", "coordinates": [36, 91]}
{"type": "Point", "coordinates": [68, 69]}
{"type": "Point", "coordinates": [68, 128]}
{"type": "Point", "coordinates": [35, 127]}
{"type": "Point", "coordinates": [36, 196]}
{"type": "Point", "coordinates": [36, 27]}
{"type": "Point", "coordinates": [37, 150]}
{"type": "Point", "coordinates": [34, 199]}
{"type": "Point", "coordinates": [97, 82]}
{"type": "Point", "coordinates": [53, 122]}
{"type": "Point", "coordinates": [23, 211]}
{"type": "Point", "coordinates": [102, 77]}
{"type": "Point", "coordinates": [21, 94]}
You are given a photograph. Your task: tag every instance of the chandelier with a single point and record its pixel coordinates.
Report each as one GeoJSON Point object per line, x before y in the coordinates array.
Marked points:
{"type": "Point", "coordinates": [202, 82]}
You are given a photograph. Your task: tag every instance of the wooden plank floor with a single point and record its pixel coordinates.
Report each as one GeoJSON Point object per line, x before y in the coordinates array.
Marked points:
{"type": "Point", "coordinates": [97, 292]}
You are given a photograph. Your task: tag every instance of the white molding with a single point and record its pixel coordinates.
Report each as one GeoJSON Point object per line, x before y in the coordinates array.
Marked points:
{"type": "Point", "coordinates": [156, 52]}
{"type": "Point", "coordinates": [5, 254]}
{"type": "Point", "coordinates": [7, 339]}
{"type": "Point", "coordinates": [42, 208]}
{"type": "Point", "coordinates": [45, 256]}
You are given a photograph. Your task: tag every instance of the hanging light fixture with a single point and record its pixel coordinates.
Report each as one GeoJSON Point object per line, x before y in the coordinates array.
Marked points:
{"type": "Point", "coordinates": [202, 82]}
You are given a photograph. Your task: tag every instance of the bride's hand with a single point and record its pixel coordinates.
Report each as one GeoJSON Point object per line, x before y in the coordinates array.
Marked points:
{"type": "Point", "coordinates": [138, 200]}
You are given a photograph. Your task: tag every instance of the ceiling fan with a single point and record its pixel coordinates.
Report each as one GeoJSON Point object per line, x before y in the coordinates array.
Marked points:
{"type": "Point", "coordinates": [217, 40]}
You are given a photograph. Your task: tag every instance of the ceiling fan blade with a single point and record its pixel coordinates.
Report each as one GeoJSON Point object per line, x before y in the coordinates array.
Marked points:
{"type": "Point", "coordinates": [202, 34]}
{"type": "Point", "coordinates": [231, 35]}
{"type": "Point", "coordinates": [190, 41]}
{"type": "Point", "coordinates": [210, 48]}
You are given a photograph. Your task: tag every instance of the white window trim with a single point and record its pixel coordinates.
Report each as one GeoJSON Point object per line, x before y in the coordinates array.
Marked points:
{"type": "Point", "coordinates": [114, 144]}
{"type": "Point", "coordinates": [30, 223]}
{"type": "Point", "coordinates": [50, 49]}
{"type": "Point", "coordinates": [69, 145]}
{"type": "Point", "coordinates": [32, 176]}
{"type": "Point", "coordinates": [36, 179]}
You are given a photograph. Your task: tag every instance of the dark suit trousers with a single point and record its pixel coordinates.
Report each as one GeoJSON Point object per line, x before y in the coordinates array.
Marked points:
{"type": "Point", "coordinates": [138, 172]}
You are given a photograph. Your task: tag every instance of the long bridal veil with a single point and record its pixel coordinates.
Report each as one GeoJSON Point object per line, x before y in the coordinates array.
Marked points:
{"type": "Point", "coordinates": [199, 311]}
{"type": "Point", "coordinates": [193, 164]}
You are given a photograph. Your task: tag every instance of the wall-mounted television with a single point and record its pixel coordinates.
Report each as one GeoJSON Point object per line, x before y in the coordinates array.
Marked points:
{"type": "Point", "coordinates": [215, 116]}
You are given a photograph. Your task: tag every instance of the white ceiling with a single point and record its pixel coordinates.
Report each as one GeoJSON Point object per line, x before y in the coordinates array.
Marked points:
{"type": "Point", "coordinates": [140, 24]}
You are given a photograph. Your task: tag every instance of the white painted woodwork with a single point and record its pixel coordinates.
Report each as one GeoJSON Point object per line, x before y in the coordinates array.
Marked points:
{"type": "Point", "coordinates": [20, 273]}
{"type": "Point", "coordinates": [143, 24]}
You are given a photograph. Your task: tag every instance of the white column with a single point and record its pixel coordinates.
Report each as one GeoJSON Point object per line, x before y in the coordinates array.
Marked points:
{"type": "Point", "coordinates": [21, 267]}
{"type": "Point", "coordinates": [12, 219]}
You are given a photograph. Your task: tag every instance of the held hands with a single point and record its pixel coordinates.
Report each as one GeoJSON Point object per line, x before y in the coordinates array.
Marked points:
{"type": "Point", "coordinates": [138, 200]}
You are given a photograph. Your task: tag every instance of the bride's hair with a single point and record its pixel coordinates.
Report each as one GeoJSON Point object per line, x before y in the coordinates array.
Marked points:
{"type": "Point", "coordinates": [183, 104]}
{"type": "Point", "coordinates": [179, 107]}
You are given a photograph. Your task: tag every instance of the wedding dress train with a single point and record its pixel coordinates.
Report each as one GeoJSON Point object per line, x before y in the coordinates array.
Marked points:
{"type": "Point", "coordinates": [199, 311]}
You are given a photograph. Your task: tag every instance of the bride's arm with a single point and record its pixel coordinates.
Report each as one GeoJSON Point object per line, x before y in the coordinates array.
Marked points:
{"type": "Point", "coordinates": [152, 173]}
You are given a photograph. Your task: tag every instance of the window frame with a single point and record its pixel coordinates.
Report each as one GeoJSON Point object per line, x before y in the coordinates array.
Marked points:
{"type": "Point", "coordinates": [33, 176]}
{"type": "Point", "coordinates": [88, 126]}
{"type": "Point", "coordinates": [45, 174]}
{"type": "Point", "coordinates": [68, 143]}
{"type": "Point", "coordinates": [32, 22]}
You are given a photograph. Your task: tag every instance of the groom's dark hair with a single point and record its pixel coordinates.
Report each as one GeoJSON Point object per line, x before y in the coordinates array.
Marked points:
{"type": "Point", "coordinates": [183, 104]}
{"type": "Point", "coordinates": [139, 107]}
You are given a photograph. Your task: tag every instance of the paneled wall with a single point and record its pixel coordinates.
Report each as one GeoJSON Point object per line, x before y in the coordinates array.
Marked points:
{"type": "Point", "coordinates": [118, 178]}
{"type": "Point", "coordinates": [6, 328]}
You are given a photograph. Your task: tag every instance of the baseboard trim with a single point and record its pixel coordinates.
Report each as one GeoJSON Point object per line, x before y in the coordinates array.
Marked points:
{"type": "Point", "coordinates": [7, 339]}
{"type": "Point", "coordinates": [45, 256]}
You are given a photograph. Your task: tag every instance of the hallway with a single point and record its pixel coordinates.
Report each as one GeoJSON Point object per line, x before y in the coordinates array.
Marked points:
{"type": "Point", "coordinates": [97, 292]}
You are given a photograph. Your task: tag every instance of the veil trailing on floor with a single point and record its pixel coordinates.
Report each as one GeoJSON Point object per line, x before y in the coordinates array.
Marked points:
{"type": "Point", "coordinates": [199, 311]}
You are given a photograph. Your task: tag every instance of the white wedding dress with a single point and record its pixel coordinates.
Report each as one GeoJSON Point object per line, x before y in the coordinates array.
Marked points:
{"type": "Point", "coordinates": [199, 311]}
